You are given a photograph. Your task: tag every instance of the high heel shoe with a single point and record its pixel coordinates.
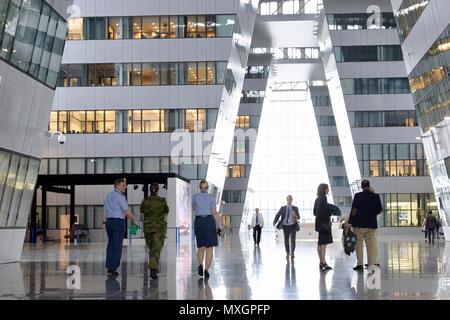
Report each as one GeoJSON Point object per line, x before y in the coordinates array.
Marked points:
{"type": "Point", "coordinates": [326, 267]}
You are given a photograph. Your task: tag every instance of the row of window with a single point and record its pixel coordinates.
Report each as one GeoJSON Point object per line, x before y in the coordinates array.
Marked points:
{"type": "Point", "coordinates": [339, 181]}
{"type": "Point", "coordinates": [326, 121]}
{"type": "Point", "coordinates": [289, 7]}
{"type": "Point", "coordinates": [132, 121]}
{"type": "Point", "coordinates": [375, 86]}
{"type": "Point", "coordinates": [18, 176]}
{"type": "Point", "coordinates": [151, 27]}
{"type": "Point", "coordinates": [361, 21]}
{"type": "Point", "coordinates": [406, 209]}
{"type": "Point", "coordinates": [408, 14]}
{"type": "Point", "coordinates": [142, 74]}
{"type": "Point", "coordinates": [368, 53]}
{"type": "Point", "coordinates": [394, 168]}
{"type": "Point", "coordinates": [289, 52]}
{"type": "Point", "coordinates": [238, 171]}
{"type": "Point", "coordinates": [188, 167]}
{"type": "Point", "coordinates": [252, 96]}
{"type": "Point", "coordinates": [390, 151]}
{"type": "Point", "coordinates": [321, 101]}
{"type": "Point", "coordinates": [256, 72]}
{"type": "Point", "coordinates": [430, 82]}
{"type": "Point", "coordinates": [334, 161]}
{"type": "Point", "coordinates": [233, 196]}
{"type": "Point", "coordinates": [32, 38]}
{"type": "Point", "coordinates": [330, 141]}
{"type": "Point", "coordinates": [405, 118]}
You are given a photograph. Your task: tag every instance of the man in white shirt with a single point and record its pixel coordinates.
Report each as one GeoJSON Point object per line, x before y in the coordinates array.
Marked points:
{"type": "Point", "coordinates": [257, 225]}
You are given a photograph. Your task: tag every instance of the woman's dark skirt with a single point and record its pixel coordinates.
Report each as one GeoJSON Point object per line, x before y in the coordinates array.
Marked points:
{"type": "Point", "coordinates": [325, 238]}
{"type": "Point", "coordinates": [205, 231]}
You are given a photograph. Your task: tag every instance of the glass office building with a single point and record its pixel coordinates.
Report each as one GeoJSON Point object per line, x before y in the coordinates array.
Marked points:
{"type": "Point", "coordinates": [32, 38]}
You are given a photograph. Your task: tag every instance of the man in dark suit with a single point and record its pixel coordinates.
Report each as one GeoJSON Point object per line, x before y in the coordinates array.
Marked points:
{"type": "Point", "coordinates": [363, 218]}
{"type": "Point", "coordinates": [286, 219]}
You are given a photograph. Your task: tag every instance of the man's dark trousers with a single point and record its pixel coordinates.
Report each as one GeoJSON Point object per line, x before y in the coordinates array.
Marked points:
{"type": "Point", "coordinates": [289, 235]}
{"type": "Point", "coordinates": [115, 228]}
{"type": "Point", "coordinates": [257, 234]}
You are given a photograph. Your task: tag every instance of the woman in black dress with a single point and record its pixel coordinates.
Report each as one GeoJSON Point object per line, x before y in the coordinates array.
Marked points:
{"type": "Point", "coordinates": [323, 224]}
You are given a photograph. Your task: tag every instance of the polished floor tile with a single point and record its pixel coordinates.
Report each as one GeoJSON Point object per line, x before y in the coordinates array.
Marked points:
{"type": "Point", "coordinates": [410, 269]}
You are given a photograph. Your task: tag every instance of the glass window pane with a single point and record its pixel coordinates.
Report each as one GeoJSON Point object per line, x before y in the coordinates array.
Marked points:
{"type": "Point", "coordinates": [201, 28]}
{"type": "Point", "coordinates": [151, 121]}
{"type": "Point", "coordinates": [113, 165]}
{"type": "Point", "coordinates": [28, 193]}
{"type": "Point", "coordinates": [137, 121]}
{"type": "Point", "coordinates": [210, 26]}
{"type": "Point", "coordinates": [202, 73]}
{"type": "Point", "coordinates": [224, 25]}
{"type": "Point", "coordinates": [77, 122]}
{"type": "Point", "coordinates": [150, 74]}
{"type": "Point", "coordinates": [110, 121]}
{"type": "Point", "coordinates": [191, 27]}
{"type": "Point", "coordinates": [8, 189]}
{"type": "Point", "coordinates": [164, 31]}
{"type": "Point", "coordinates": [137, 28]}
{"type": "Point", "coordinates": [150, 165]}
{"type": "Point", "coordinates": [76, 29]}
{"type": "Point", "coordinates": [76, 166]}
{"type": "Point", "coordinates": [150, 27]}
{"type": "Point", "coordinates": [136, 74]}
{"type": "Point", "coordinates": [115, 28]}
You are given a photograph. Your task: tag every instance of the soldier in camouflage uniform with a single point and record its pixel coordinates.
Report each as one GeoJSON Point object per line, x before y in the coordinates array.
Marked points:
{"type": "Point", "coordinates": [155, 210]}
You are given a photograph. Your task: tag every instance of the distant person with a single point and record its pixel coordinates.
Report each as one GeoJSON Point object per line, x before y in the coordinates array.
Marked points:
{"type": "Point", "coordinates": [257, 225]}
{"type": "Point", "coordinates": [430, 226]}
{"type": "Point", "coordinates": [424, 228]}
{"type": "Point", "coordinates": [206, 227]}
{"type": "Point", "coordinates": [438, 225]}
{"type": "Point", "coordinates": [286, 219]}
{"type": "Point", "coordinates": [366, 207]}
{"type": "Point", "coordinates": [155, 210]}
{"type": "Point", "coordinates": [323, 224]}
{"type": "Point", "coordinates": [115, 210]}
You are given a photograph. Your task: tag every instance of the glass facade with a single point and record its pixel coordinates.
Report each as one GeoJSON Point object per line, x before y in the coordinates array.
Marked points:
{"type": "Point", "coordinates": [334, 161]}
{"type": "Point", "coordinates": [233, 196]}
{"type": "Point", "coordinates": [252, 96]}
{"type": "Point", "coordinates": [405, 209]}
{"type": "Point", "coordinates": [271, 7]}
{"type": "Point", "coordinates": [360, 119]}
{"type": "Point", "coordinates": [132, 121]}
{"type": "Point", "coordinates": [142, 74]}
{"type": "Point", "coordinates": [32, 38]}
{"type": "Point", "coordinates": [392, 160]}
{"type": "Point", "coordinates": [151, 27]}
{"type": "Point", "coordinates": [408, 14]}
{"type": "Point", "coordinates": [256, 72]}
{"type": "Point", "coordinates": [375, 86]}
{"type": "Point", "coordinates": [188, 167]}
{"type": "Point", "coordinates": [321, 101]}
{"type": "Point", "coordinates": [368, 53]}
{"type": "Point", "coordinates": [326, 121]}
{"type": "Point", "coordinates": [330, 141]}
{"type": "Point", "coordinates": [359, 21]}
{"type": "Point", "coordinates": [430, 83]}
{"type": "Point", "coordinates": [18, 176]}
{"type": "Point", "coordinates": [238, 171]}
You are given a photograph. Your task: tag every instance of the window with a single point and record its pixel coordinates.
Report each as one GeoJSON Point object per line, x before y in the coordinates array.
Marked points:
{"type": "Point", "coordinates": [114, 28]}
{"type": "Point", "coordinates": [110, 121]}
{"type": "Point", "coordinates": [368, 53]}
{"type": "Point", "coordinates": [243, 122]}
{"type": "Point", "coordinates": [375, 86]}
{"type": "Point", "coordinates": [225, 25]}
{"type": "Point", "coordinates": [137, 27]}
{"type": "Point", "coordinates": [151, 121]}
{"type": "Point", "coordinates": [195, 120]}
{"type": "Point", "coordinates": [252, 96]}
{"type": "Point", "coordinates": [76, 31]}
{"type": "Point", "coordinates": [358, 21]}
{"type": "Point", "coordinates": [150, 74]}
{"type": "Point", "coordinates": [383, 118]}
{"type": "Point", "coordinates": [150, 27]}
{"type": "Point", "coordinates": [112, 74]}
{"type": "Point", "coordinates": [77, 122]}
{"type": "Point", "coordinates": [210, 26]}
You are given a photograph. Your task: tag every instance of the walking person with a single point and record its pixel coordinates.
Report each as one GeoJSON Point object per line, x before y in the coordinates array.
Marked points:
{"type": "Point", "coordinates": [206, 227]}
{"type": "Point", "coordinates": [257, 225]}
{"type": "Point", "coordinates": [366, 207]}
{"type": "Point", "coordinates": [115, 211]}
{"type": "Point", "coordinates": [323, 225]}
{"type": "Point", "coordinates": [286, 219]}
{"type": "Point", "coordinates": [430, 226]}
{"type": "Point", "coordinates": [155, 210]}
{"type": "Point", "coordinates": [424, 229]}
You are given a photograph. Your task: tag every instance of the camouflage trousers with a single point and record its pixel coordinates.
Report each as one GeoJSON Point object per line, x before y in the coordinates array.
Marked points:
{"type": "Point", "coordinates": [155, 243]}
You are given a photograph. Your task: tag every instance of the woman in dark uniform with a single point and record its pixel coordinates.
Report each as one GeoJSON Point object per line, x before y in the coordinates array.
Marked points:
{"type": "Point", "coordinates": [206, 227]}
{"type": "Point", "coordinates": [323, 224]}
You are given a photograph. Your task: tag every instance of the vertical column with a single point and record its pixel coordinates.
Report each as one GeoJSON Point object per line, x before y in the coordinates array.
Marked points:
{"type": "Point", "coordinates": [44, 212]}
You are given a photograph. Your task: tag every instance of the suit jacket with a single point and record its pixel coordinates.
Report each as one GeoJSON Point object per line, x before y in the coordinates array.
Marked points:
{"type": "Point", "coordinates": [260, 220]}
{"type": "Point", "coordinates": [282, 214]}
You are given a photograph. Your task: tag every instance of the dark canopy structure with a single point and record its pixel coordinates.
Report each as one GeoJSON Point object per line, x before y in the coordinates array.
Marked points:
{"type": "Point", "coordinates": [66, 184]}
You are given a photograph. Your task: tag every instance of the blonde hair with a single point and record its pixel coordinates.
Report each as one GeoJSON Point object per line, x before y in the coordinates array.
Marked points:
{"type": "Point", "coordinates": [203, 185]}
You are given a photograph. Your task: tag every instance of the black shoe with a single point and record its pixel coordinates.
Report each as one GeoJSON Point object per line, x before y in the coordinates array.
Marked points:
{"type": "Point", "coordinates": [206, 275]}
{"type": "Point", "coordinates": [153, 274]}
{"type": "Point", "coordinates": [326, 267]}
{"type": "Point", "coordinates": [200, 270]}
{"type": "Point", "coordinates": [113, 273]}
{"type": "Point", "coordinates": [358, 268]}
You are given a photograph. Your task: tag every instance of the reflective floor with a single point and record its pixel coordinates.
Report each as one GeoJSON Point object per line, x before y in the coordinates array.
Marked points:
{"type": "Point", "coordinates": [410, 269]}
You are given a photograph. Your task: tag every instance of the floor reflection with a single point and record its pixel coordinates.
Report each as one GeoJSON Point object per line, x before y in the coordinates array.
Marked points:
{"type": "Point", "coordinates": [410, 269]}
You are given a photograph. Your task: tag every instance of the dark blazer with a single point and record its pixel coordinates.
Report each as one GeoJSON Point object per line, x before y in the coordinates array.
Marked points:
{"type": "Point", "coordinates": [368, 207]}
{"type": "Point", "coordinates": [282, 213]}
{"type": "Point", "coordinates": [321, 212]}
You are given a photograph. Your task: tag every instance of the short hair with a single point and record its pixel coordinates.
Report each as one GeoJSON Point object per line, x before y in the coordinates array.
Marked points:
{"type": "Point", "coordinates": [430, 211]}
{"type": "Point", "coordinates": [119, 181]}
{"type": "Point", "coordinates": [203, 184]}
{"type": "Point", "coordinates": [289, 195]}
{"type": "Point", "coordinates": [322, 189]}
{"type": "Point", "coordinates": [365, 184]}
